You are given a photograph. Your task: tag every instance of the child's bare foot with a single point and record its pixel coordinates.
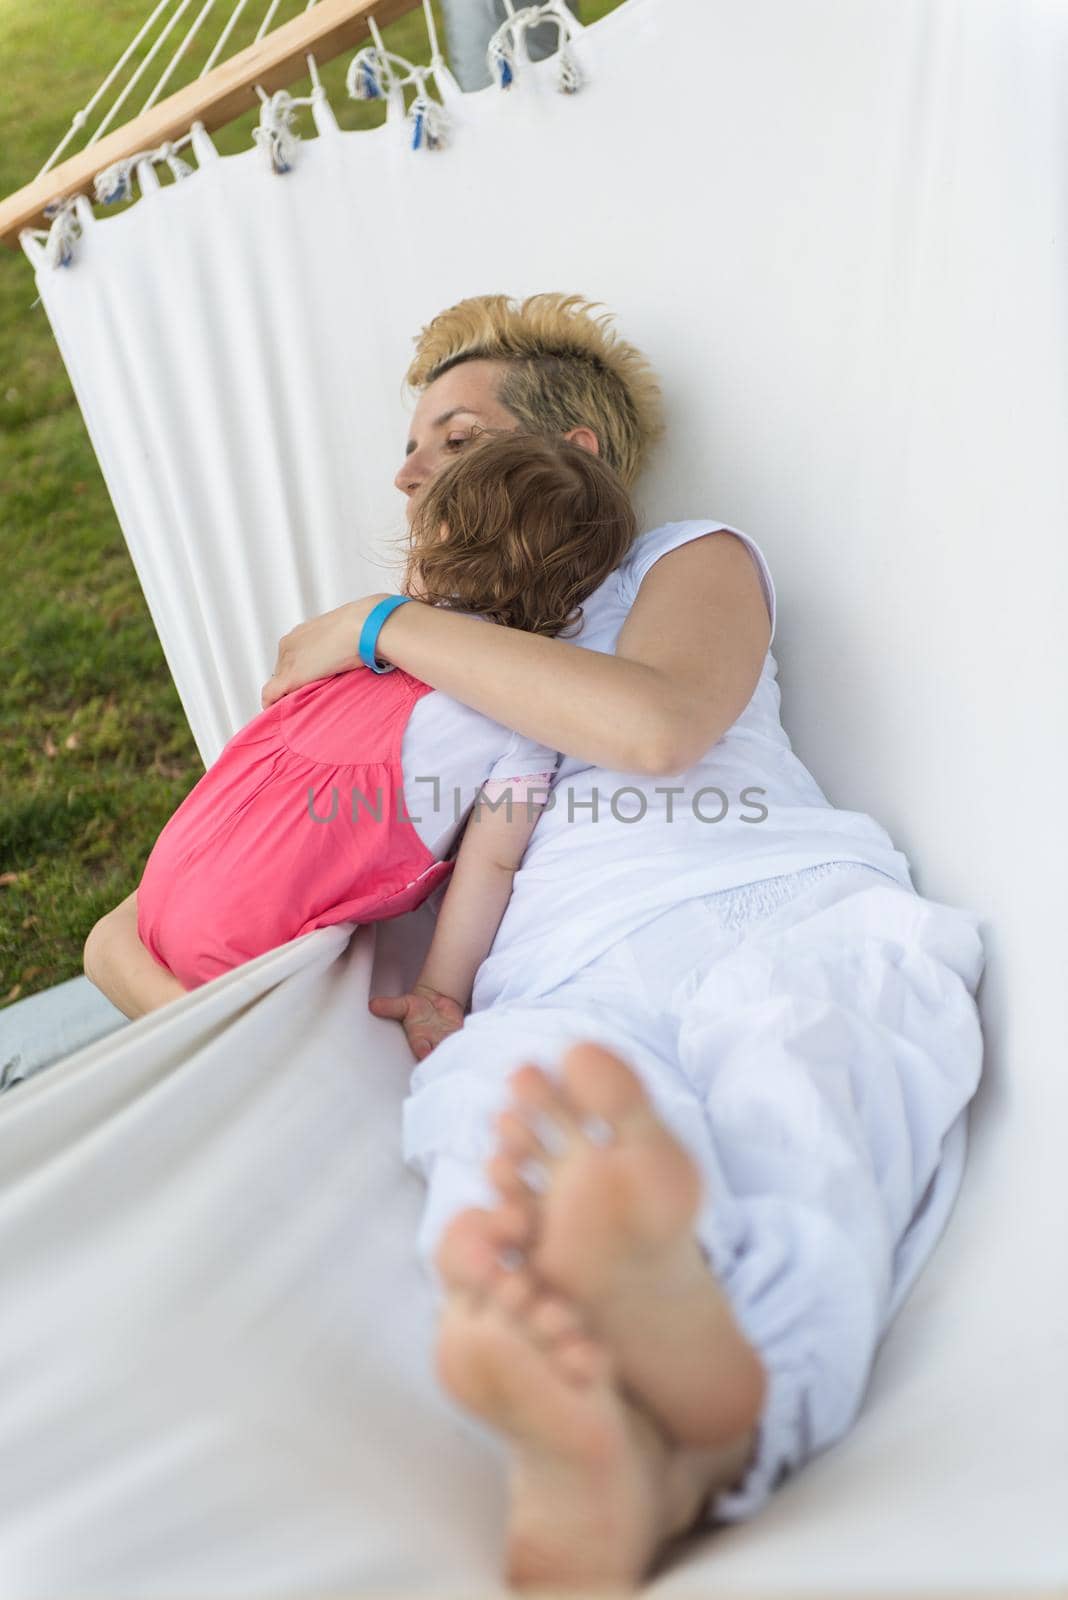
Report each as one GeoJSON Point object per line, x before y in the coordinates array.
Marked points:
{"type": "Point", "coordinates": [612, 1229]}
{"type": "Point", "coordinates": [590, 1500]}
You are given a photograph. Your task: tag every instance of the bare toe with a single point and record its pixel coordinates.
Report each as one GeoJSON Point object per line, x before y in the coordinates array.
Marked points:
{"type": "Point", "coordinates": [599, 1083]}
{"type": "Point", "coordinates": [543, 1102]}
{"type": "Point", "coordinates": [557, 1327]}
{"type": "Point", "coordinates": [469, 1252]}
{"type": "Point", "coordinates": [515, 1291]}
{"type": "Point", "coordinates": [613, 1233]}
{"type": "Point", "coordinates": [516, 1137]}
{"type": "Point", "coordinates": [552, 1319]}
{"type": "Point", "coordinates": [511, 1184]}
{"type": "Point", "coordinates": [587, 1505]}
{"type": "Point", "coordinates": [582, 1360]}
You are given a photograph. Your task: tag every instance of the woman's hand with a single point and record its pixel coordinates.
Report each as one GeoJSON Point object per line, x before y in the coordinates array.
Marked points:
{"type": "Point", "coordinates": [319, 648]}
{"type": "Point", "coordinates": [427, 1016]}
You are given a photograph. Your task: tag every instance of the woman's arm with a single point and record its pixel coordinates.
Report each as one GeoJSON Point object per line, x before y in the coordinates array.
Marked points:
{"type": "Point", "coordinates": [688, 659]}
{"type": "Point", "coordinates": [118, 964]}
{"type": "Point", "coordinates": [686, 664]}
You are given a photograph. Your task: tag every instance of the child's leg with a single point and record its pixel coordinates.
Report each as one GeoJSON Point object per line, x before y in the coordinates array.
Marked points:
{"type": "Point", "coordinates": [122, 969]}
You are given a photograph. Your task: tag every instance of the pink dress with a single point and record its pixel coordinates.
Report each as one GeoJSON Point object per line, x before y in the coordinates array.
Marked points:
{"type": "Point", "coordinates": [285, 833]}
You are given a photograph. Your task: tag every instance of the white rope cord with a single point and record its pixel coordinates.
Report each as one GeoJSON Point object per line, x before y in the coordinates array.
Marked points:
{"type": "Point", "coordinates": [191, 34]}
{"type": "Point", "coordinates": [115, 183]}
{"type": "Point", "coordinates": [223, 37]}
{"type": "Point", "coordinates": [502, 50]}
{"type": "Point", "coordinates": [268, 19]}
{"type": "Point", "coordinates": [228, 30]}
{"type": "Point", "coordinates": [374, 73]}
{"type": "Point", "coordinates": [183, 6]}
{"type": "Point", "coordinates": [436, 57]}
{"type": "Point", "coordinates": [81, 117]}
{"type": "Point", "coordinates": [206, 9]}
{"type": "Point", "coordinates": [58, 238]}
{"type": "Point", "coordinates": [276, 136]}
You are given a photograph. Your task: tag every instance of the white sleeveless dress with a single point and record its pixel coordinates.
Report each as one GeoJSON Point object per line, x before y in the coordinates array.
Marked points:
{"type": "Point", "coordinates": [615, 849]}
{"type": "Point", "coordinates": [803, 1020]}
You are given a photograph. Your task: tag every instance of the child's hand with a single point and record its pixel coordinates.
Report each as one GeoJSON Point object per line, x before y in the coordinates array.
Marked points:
{"type": "Point", "coordinates": [427, 1016]}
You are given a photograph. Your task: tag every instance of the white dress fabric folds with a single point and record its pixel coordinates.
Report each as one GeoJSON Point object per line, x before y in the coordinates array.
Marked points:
{"type": "Point", "coordinates": [811, 1039]}
{"type": "Point", "coordinates": [836, 231]}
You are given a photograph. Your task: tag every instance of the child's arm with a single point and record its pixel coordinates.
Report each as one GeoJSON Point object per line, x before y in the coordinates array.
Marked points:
{"type": "Point", "coordinates": [477, 895]}
{"type": "Point", "coordinates": [480, 887]}
{"type": "Point", "coordinates": [118, 964]}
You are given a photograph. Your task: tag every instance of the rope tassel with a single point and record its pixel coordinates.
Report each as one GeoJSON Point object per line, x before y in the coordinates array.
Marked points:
{"type": "Point", "coordinates": [179, 168]}
{"type": "Point", "coordinates": [115, 183]}
{"type": "Point", "coordinates": [275, 134]}
{"type": "Point", "coordinates": [375, 74]}
{"type": "Point", "coordinates": [501, 57]}
{"type": "Point", "coordinates": [365, 76]}
{"type": "Point", "coordinates": [59, 246]}
{"type": "Point", "coordinates": [568, 72]}
{"type": "Point", "coordinates": [429, 121]}
{"type": "Point", "coordinates": [501, 54]}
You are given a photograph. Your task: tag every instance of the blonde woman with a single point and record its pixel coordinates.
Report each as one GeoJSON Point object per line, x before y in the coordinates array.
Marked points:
{"type": "Point", "coordinates": [703, 1122]}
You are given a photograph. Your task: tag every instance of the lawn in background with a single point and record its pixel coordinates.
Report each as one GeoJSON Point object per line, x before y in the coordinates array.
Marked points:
{"type": "Point", "coordinates": [95, 750]}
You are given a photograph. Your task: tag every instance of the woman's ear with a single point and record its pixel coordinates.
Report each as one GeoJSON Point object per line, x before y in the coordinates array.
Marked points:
{"type": "Point", "coordinates": [586, 438]}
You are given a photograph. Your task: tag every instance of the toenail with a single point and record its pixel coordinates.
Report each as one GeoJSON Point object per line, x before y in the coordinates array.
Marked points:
{"type": "Point", "coordinates": [527, 1066]}
{"type": "Point", "coordinates": [511, 1258]}
{"type": "Point", "coordinates": [534, 1176]}
{"type": "Point", "coordinates": [550, 1133]}
{"type": "Point", "coordinates": [598, 1131]}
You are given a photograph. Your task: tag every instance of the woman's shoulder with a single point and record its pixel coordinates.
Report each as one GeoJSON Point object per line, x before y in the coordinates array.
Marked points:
{"type": "Point", "coordinates": [648, 547]}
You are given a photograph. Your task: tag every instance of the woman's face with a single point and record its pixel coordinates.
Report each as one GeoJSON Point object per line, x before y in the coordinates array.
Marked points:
{"type": "Point", "coordinates": [452, 411]}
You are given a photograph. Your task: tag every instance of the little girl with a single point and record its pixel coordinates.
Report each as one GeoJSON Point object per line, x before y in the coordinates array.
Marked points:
{"type": "Point", "coordinates": [302, 821]}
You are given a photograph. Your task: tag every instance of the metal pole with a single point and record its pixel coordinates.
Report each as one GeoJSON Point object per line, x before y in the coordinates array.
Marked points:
{"type": "Point", "coordinates": [469, 26]}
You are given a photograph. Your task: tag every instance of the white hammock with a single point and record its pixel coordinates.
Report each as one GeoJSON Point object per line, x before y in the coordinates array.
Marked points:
{"type": "Point", "coordinates": [834, 231]}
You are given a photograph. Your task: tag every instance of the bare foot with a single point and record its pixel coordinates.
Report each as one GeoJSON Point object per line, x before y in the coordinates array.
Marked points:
{"type": "Point", "coordinates": [589, 1503]}
{"type": "Point", "coordinates": [611, 1227]}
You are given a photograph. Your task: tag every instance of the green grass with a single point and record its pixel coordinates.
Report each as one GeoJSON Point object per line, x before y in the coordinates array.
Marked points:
{"type": "Point", "coordinates": [95, 748]}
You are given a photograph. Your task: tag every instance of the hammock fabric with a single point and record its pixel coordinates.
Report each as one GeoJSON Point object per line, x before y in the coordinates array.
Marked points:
{"type": "Point", "coordinates": [834, 231]}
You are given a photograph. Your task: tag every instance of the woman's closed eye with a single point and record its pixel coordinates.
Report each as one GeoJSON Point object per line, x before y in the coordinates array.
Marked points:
{"type": "Point", "coordinates": [477, 430]}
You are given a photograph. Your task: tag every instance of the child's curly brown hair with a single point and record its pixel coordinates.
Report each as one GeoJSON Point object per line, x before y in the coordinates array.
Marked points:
{"type": "Point", "coordinates": [520, 528]}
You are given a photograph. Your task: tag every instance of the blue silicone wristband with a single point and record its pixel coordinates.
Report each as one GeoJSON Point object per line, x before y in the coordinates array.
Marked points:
{"type": "Point", "coordinates": [372, 627]}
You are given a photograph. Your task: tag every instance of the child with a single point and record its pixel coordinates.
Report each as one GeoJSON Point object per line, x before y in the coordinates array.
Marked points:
{"type": "Point", "coordinates": [302, 822]}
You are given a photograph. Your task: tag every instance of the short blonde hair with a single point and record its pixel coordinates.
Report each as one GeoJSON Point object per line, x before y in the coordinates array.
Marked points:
{"type": "Point", "coordinates": [566, 369]}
